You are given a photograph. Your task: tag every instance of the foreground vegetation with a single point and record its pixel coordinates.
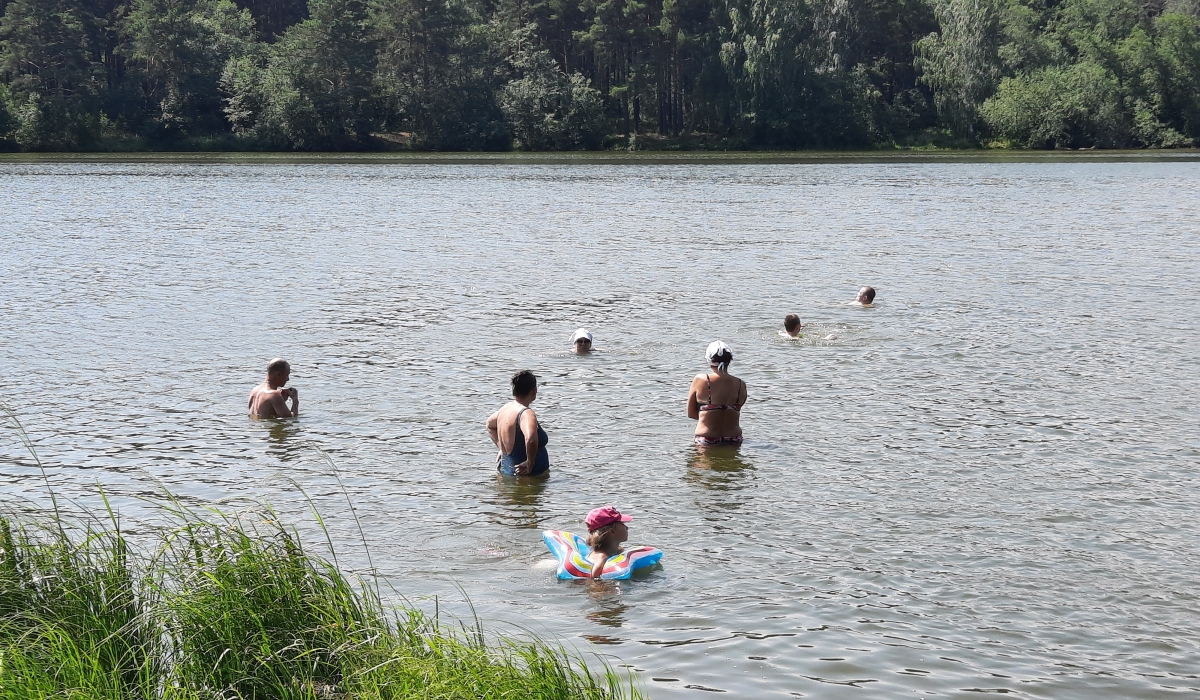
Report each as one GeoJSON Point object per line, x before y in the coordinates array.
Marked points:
{"type": "Point", "coordinates": [587, 74]}
{"type": "Point", "coordinates": [219, 610]}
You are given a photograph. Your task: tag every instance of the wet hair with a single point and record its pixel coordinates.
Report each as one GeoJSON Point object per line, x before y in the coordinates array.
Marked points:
{"type": "Point", "coordinates": [600, 535]}
{"type": "Point", "coordinates": [791, 322]}
{"type": "Point", "coordinates": [870, 292]}
{"type": "Point", "coordinates": [523, 382]}
{"type": "Point", "coordinates": [278, 365]}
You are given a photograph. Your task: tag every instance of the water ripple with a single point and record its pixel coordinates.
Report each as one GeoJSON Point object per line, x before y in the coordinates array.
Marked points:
{"type": "Point", "coordinates": [983, 485]}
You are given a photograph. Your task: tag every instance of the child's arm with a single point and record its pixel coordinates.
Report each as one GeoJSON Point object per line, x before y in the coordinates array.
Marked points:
{"type": "Point", "coordinates": [598, 567]}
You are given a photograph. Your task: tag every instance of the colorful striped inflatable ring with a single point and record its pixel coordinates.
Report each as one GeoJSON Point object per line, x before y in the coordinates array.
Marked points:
{"type": "Point", "coordinates": [571, 551]}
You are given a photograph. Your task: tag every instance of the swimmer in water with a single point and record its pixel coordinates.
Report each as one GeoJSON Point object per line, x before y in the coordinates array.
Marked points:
{"type": "Point", "coordinates": [516, 432]}
{"type": "Point", "coordinates": [715, 400]}
{"type": "Point", "coordinates": [866, 295]}
{"type": "Point", "coordinates": [582, 341]}
{"type": "Point", "coordinates": [606, 531]}
{"type": "Point", "coordinates": [791, 326]}
{"type": "Point", "coordinates": [269, 399]}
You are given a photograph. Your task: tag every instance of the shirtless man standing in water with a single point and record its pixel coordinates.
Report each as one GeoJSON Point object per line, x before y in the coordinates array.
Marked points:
{"type": "Point", "coordinates": [269, 399]}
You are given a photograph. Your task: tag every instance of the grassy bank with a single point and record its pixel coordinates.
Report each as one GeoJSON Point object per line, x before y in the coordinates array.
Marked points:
{"type": "Point", "coordinates": [214, 608]}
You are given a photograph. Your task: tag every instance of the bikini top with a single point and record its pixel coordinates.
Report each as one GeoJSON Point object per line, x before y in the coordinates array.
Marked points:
{"type": "Point", "coordinates": [710, 406]}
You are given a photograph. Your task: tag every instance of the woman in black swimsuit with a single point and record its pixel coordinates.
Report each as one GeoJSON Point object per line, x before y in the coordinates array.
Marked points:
{"type": "Point", "coordinates": [716, 398]}
{"type": "Point", "coordinates": [515, 430]}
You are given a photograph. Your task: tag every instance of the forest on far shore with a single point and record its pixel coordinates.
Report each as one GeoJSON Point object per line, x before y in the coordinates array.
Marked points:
{"type": "Point", "coordinates": [78, 75]}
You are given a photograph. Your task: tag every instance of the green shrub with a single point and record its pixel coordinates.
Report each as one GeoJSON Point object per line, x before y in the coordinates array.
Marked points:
{"type": "Point", "coordinates": [1077, 106]}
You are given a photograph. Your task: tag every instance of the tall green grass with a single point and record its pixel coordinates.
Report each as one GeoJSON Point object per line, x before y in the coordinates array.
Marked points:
{"type": "Point", "coordinates": [221, 608]}
{"type": "Point", "coordinates": [214, 608]}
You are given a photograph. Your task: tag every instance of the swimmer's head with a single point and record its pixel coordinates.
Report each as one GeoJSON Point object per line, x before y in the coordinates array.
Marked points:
{"type": "Point", "coordinates": [582, 341]}
{"type": "Point", "coordinates": [791, 324]}
{"type": "Point", "coordinates": [278, 372]}
{"type": "Point", "coordinates": [524, 384]}
{"type": "Point", "coordinates": [606, 528]}
{"type": "Point", "coordinates": [866, 295]}
{"type": "Point", "coordinates": [719, 356]}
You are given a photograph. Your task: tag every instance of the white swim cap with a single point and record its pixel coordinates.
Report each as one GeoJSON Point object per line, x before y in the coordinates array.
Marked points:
{"type": "Point", "coordinates": [581, 333]}
{"type": "Point", "coordinates": [716, 349]}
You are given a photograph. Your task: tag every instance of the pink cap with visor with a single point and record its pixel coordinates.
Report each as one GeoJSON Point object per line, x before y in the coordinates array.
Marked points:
{"type": "Point", "coordinates": [606, 515]}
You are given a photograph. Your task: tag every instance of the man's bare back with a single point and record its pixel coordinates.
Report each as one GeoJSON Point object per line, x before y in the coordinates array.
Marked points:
{"type": "Point", "coordinates": [269, 399]}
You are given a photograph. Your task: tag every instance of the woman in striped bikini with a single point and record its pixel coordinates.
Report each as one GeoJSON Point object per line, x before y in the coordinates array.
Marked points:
{"type": "Point", "coordinates": [715, 400]}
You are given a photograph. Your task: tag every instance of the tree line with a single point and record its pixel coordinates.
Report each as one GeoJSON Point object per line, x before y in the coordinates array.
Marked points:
{"type": "Point", "coordinates": [589, 74]}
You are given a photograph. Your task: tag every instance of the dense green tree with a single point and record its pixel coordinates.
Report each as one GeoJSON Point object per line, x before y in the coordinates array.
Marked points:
{"type": "Point", "coordinates": [6, 118]}
{"type": "Point", "coordinates": [1075, 106]}
{"type": "Point", "coordinates": [49, 62]}
{"type": "Point", "coordinates": [547, 109]}
{"type": "Point", "coordinates": [177, 51]}
{"type": "Point", "coordinates": [616, 48]}
{"type": "Point", "coordinates": [568, 74]}
{"type": "Point", "coordinates": [879, 47]}
{"type": "Point", "coordinates": [1178, 49]}
{"type": "Point", "coordinates": [961, 61]}
{"type": "Point", "coordinates": [786, 59]}
{"type": "Point", "coordinates": [436, 78]}
{"type": "Point", "coordinates": [1097, 73]}
{"type": "Point", "coordinates": [273, 17]}
{"type": "Point", "coordinates": [312, 88]}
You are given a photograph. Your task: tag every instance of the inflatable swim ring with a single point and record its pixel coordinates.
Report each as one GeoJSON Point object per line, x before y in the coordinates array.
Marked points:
{"type": "Point", "coordinates": [572, 551]}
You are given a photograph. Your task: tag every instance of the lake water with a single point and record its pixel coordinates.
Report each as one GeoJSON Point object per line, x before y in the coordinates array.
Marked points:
{"type": "Point", "coordinates": [986, 483]}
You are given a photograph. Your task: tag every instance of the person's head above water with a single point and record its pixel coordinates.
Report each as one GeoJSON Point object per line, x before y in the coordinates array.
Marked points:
{"type": "Point", "coordinates": [524, 385]}
{"type": "Point", "coordinates": [866, 295]}
{"type": "Point", "coordinates": [719, 356]}
{"type": "Point", "coordinates": [606, 529]}
{"type": "Point", "coordinates": [791, 324]}
{"type": "Point", "coordinates": [582, 341]}
{"type": "Point", "coordinates": [278, 372]}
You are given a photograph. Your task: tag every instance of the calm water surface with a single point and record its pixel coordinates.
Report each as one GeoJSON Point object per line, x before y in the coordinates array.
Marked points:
{"type": "Point", "coordinates": [987, 483]}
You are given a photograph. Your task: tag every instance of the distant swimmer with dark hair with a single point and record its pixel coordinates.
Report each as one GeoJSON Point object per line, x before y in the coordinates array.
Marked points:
{"type": "Point", "coordinates": [866, 296]}
{"type": "Point", "coordinates": [516, 432]}
{"type": "Point", "coordinates": [269, 399]}
{"type": "Point", "coordinates": [715, 400]}
{"type": "Point", "coordinates": [791, 326]}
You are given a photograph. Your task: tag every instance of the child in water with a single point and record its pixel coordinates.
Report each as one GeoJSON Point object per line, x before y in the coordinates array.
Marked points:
{"type": "Point", "coordinates": [606, 531]}
{"type": "Point", "coordinates": [791, 326]}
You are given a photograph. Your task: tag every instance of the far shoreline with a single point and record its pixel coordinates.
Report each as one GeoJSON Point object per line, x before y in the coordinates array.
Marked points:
{"type": "Point", "coordinates": [608, 157]}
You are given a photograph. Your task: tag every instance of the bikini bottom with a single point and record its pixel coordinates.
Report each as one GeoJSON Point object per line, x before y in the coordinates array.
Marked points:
{"type": "Point", "coordinates": [707, 441]}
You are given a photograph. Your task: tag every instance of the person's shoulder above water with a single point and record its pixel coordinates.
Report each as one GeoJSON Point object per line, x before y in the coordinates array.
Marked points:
{"type": "Point", "coordinates": [515, 431]}
{"type": "Point", "coordinates": [866, 296]}
{"type": "Point", "coordinates": [581, 341]}
{"type": "Point", "coordinates": [270, 398]}
{"type": "Point", "coordinates": [716, 398]}
{"type": "Point", "coordinates": [791, 326]}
